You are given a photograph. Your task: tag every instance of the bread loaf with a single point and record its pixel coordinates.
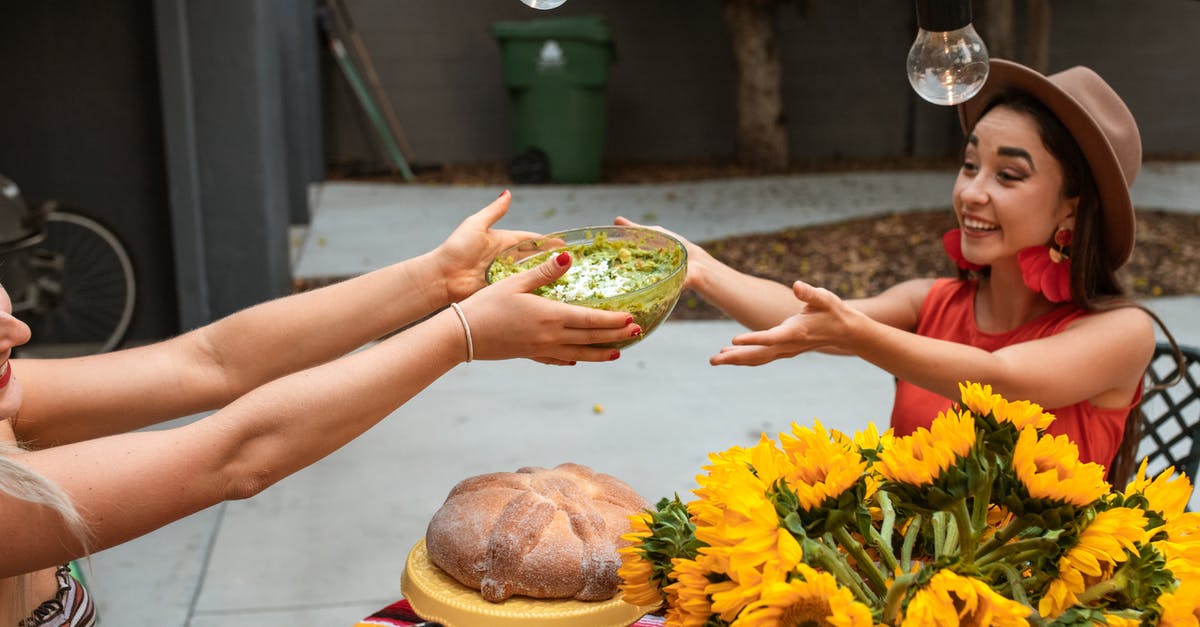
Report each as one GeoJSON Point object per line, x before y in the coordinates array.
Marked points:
{"type": "Point", "coordinates": [537, 532]}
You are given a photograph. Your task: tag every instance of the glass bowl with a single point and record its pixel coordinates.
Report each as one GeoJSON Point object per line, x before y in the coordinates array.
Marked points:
{"type": "Point", "coordinates": [615, 268]}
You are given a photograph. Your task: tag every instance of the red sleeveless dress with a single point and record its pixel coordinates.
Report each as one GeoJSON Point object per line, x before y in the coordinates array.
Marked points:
{"type": "Point", "coordinates": [948, 313]}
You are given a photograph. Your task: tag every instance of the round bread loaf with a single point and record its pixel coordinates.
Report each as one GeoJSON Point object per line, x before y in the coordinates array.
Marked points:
{"type": "Point", "coordinates": [537, 532]}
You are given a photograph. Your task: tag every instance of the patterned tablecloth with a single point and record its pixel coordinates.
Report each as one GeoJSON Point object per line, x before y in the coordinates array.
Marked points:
{"type": "Point", "coordinates": [401, 613]}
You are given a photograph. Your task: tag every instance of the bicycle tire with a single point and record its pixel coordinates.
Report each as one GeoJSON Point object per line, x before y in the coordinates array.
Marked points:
{"type": "Point", "coordinates": [96, 289]}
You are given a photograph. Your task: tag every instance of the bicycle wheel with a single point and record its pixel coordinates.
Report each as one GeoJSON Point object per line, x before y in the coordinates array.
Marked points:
{"type": "Point", "coordinates": [86, 288]}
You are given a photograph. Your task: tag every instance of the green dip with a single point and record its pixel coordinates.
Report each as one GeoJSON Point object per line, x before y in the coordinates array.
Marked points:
{"type": "Point", "coordinates": [642, 275]}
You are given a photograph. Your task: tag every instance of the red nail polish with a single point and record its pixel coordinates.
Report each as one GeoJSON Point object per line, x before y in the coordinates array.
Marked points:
{"type": "Point", "coordinates": [614, 355]}
{"type": "Point", "coordinates": [502, 194]}
{"type": "Point", "coordinates": [571, 363]}
{"type": "Point", "coordinates": [628, 319]}
{"type": "Point", "coordinates": [563, 258]}
{"type": "Point", "coordinates": [636, 331]}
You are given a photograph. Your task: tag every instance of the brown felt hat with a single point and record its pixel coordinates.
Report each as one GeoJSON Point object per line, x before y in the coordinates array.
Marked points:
{"type": "Point", "coordinates": [1100, 123]}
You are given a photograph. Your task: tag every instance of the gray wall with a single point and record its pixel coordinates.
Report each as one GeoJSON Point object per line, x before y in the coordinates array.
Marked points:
{"type": "Point", "coordinates": [670, 92]}
{"type": "Point", "coordinates": [80, 123]}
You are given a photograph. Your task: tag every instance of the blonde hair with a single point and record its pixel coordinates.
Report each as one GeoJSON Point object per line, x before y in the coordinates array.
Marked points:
{"type": "Point", "coordinates": [22, 482]}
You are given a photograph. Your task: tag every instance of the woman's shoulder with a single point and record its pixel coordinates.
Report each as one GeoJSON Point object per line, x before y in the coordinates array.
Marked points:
{"type": "Point", "coordinates": [1132, 317]}
{"type": "Point", "coordinates": [1129, 325]}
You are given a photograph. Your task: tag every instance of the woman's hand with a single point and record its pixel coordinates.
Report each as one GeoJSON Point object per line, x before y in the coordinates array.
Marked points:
{"type": "Point", "coordinates": [507, 321]}
{"type": "Point", "coordinates": [464, 257]}
{"type": "Point", "coordinates": [824, 323]}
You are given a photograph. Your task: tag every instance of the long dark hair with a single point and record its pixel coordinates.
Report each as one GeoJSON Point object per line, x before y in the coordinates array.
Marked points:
{"type": "Point", "coordinates": [1095, 285]}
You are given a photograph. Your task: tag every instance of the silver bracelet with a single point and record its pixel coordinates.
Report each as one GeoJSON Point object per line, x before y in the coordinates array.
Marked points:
{"type": "Point", "coordinates": [466, 329]}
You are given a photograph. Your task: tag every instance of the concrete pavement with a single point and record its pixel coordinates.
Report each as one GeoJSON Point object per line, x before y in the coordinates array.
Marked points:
{"type": "Point", "coordinates": [326, 546]}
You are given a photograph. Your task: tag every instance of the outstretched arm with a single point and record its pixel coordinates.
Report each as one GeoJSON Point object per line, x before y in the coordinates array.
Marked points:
{"type": "Point", "coordinates": [759, 303]}
{"type": "Point", "coordinates": [129, 484]}
{"type": "Point", "coordinates": [755, 302]}
{"type": "Point", "coordinates": [208, 367]}
{"type": "Point", "coordinates": [1103, 355]}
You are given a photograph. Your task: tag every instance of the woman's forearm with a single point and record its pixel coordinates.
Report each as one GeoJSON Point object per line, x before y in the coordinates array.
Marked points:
{"type": "Point", "coordinates": [209, 367]}
{"type": "Point", "coordinates": [755, 302]}
{"type": "Point", "coordinates": [130, 484]}
{"type": "Point", "coordinates": [312, 327]}
{"type": "Point", "coordinates": [936, 365]}
{"type": "Point", "coordinates": [291, 422]}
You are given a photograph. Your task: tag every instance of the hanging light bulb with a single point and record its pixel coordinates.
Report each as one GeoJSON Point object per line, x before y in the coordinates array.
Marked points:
{"type": "Point", "coordinates": [545, 5]}
{"type": "Point", "coordinates": [948, 62]}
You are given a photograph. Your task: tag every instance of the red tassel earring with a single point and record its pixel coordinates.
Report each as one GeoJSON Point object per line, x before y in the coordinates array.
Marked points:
{"type": "Point", "coordinates": [1048, 270]}
{"type": "Point", "coordinates": [952, 242]}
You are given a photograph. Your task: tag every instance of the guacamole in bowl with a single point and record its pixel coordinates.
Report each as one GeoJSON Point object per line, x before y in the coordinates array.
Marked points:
{"type": "Point", "coordinates": [614, 268]}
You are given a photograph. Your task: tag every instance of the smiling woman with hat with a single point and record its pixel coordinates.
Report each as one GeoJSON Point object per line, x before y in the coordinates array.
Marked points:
{"type": "Point", "coordinates": [1045, 220]}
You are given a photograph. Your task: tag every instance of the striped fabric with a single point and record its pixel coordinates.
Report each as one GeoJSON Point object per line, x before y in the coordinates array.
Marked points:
{"type": "Point", "coordinates": [71, 605]}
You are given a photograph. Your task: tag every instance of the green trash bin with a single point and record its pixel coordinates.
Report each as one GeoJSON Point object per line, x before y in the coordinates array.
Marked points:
{"type": "Point", "coordinates": [556, 71]}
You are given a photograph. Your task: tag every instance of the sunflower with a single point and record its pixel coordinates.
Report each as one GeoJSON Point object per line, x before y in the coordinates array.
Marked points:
{"type": "Point", "coordinates": [981, 401]}
{"type": "Point", "coordinates": [1181, 545]}
{"type": "Point", "coordinates": [870, 440]}
{"type": "Point", "coordinates": [729, 482]}
{"type": "Point", "coordinates": [920, 458]}
{"type": "Point", "coordinates": [952, 600]}
{"type": "Point", "coordinates": [1102, 545]}
{"type": "Point", "coordinates": [734, 510]}
{"type": "Point", "coordinates": [636, 572]}
{"type": "Point", "coordinates": [730, 599]}
{"type": "Point", "coordinates": [1050, 469]}
{"type": "Point", "coordinates": [808, 597]}
{"type": "Point", "coordinates": [1166, 494]}
{"type": "Point", "coordinates": [823, 464]}
{"type": "Point", "coordinates": [978, 398]}
{"type": "Point", "coordinates": [691, 607]}
{"type": "Point", "coordinates": [1180, 607]}
{"type": "Point", "coordinates": [747, 546]}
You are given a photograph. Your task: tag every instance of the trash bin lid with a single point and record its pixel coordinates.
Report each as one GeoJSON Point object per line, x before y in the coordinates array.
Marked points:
{"type": "Point", "coordinates": [591, 28]}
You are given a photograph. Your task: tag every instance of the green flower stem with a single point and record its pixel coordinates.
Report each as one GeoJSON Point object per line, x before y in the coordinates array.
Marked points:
{"type": "Point", "coordinates": [910, 540]}
{"type": "Point", "coordinates": [1019, 552]}
{"type": "Point", "coordinates": [889, 518]}
{"type": "Point", "coordinates": [982, 501]}
{"type": "Point", "coordinates": [895, 596]}
{"type": "Point", "coordinates": [1003, 536]}
{"type": "Point", "coordinates": [885, 550]}
{"type": "Point", "coordinates": [1015, 581]}
{"type": "Point", "coordinates": [950, 544]}
{"type": "Point", "coordinates": [1119, 582]}
{"type": "Point", "coordinates": [865, 564]}
{"type": "Point", "coordinates": [967, 541]}
{"type": "Point", "coordinates": [832, 561]}
{"type": "Point", "coordinates": [939, 534]}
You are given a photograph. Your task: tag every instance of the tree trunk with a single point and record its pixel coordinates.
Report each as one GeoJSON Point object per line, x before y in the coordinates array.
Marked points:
{"type": "Point", "coordinates": [761, 133]}
{"type": "Point", "coordinates": [1039, 34]}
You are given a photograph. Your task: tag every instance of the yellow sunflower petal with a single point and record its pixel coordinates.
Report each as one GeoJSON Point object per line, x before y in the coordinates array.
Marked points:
{"type": "Point", "coordinates": [824, 464]}
{"type": "Point", "coordinates": [1180, 607]}
{"type": "Point", "coordinates": [1112, 620]}
{"type": "Point", "coordinates": [920, 458]}
{"type": "Point", "coordinates": [952, 600]}
{"type": "Point", "coordinates": [1101, 546]}
{"type": "Point", "coordinates": [1167, 494]}
{"type": "Point", "coordinates": [1181, 546]}
{"type": "Point", "coordinates": [1050, 469]}
{"type": "Point", "coordinates": [812, 598]}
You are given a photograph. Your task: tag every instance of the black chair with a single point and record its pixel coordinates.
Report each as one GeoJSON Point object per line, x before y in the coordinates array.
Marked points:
{"type": "Point", "coordinates": [1172, 416]}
